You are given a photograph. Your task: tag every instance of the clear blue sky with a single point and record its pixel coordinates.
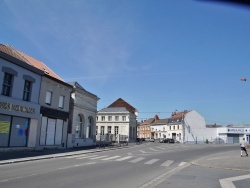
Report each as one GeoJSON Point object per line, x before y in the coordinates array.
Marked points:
{"type": "Point", "coordinates": [159, 56]}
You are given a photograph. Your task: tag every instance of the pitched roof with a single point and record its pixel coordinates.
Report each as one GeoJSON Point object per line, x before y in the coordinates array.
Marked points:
{"type": "Point", "coordinates": [29, 60]}
{"type": "Point", "coordinates": [121, 103]}
{"type": "Point", "coordinates": [179, 114]}
{"type": "Point", "coordinates": [78, 86]}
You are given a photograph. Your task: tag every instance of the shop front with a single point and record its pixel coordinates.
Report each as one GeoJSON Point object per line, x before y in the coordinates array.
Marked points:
{"type": "Point", "coordinates": [234, 135]}
{"type": "Point", "coordinates": [18, 123]}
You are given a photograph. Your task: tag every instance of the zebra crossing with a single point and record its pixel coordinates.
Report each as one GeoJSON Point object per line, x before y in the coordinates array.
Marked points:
{"type": "Point", "coordinates": [130, 159]}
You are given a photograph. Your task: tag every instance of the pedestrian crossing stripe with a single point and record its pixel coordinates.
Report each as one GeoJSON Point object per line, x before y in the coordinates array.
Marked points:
{"type": "Point", "coordinates": [99, 157]}
{"type": "Point", "coordinates": [88, 156]}
{"type": "Point", "coordinates": [152, 161]}
{"type": "Point", "coordinates": [120, 158]}
{"type": "Point", "coordinates": [137, 160]}
{"type": "Point", "coordinates": [167, 163]}
{"type": "Point", "coordinates": [110, 158]}
{"type": "Point", "coordinates": [124, 158]}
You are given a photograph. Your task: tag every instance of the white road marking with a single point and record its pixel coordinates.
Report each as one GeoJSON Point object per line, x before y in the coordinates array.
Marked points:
{"type": "Point", "coordinates": [161, 148]}
{"type": "Point", "coordinates": [75, 156]}
{"type": "Point", "coordinates": [137, 160]}
{"type": "Point", "coordinates": [88, 156]}
{"type": "Point", "coordinates": [167, 163]}
{"type": "Point", "coordinates": [228, 182]}
{"type": "Point", "coordinates": [111, 158]}
{"type": "Point", "coordinates": [151, 161]}
{"type": "Point", "coordinates": [182, 163]}
{"type": "Point", "coordinates": [153, 149]}
{"type": "Point", "coordinates": [124, 158]}
{"type": "Point", "coordinates": [99, 157]}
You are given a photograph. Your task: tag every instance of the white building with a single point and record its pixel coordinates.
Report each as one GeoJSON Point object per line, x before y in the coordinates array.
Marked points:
{"type": "Point", "coordinates": [160, 128]}
{"type": "Point", "coordinates": [83, 111]}
{"type": "Point", "coordinates": [234, 134]}
{"type": "Point", "coordinates": [119, 118]}
{"type": "Point", "coordinates": [189, 127]}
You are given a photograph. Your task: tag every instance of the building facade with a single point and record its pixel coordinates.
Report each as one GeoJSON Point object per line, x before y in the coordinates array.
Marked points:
{"type": "Point", "coordinates": [234, 134]}
{"type": "Point", "coordinates": [119, 118]}
{"type": "Point", "coordinates": [54, 121]}
{"type": "Point", "coordinates": [54, 97]}
{"type": "Point", "coordinates": [83, 112]}
{"type": "Point", "coordinates": [19, 101]}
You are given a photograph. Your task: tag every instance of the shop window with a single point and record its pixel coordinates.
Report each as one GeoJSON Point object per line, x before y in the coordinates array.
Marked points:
{"type": "Point", "coordinates": [48, 97]}
{"type": "Point", "coordinates": [27, 90]}
{"type": "Point", "coordinates": [7, 84]}
{"type": "Point", "coordinates": [19, 132]}
{"type": "Point", "coordinates": [5, 122]}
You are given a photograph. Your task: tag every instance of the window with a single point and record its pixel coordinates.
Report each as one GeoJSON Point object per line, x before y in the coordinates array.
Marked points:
{"type": "Point", "coordinates": [27, 90]}
{"type": "Point", "coordinates": [78, 131]}
{"type": "Point", "coordinates": [102, 130]}
{"type": "Point", "coordinates": [96, 130]}
{"type": "Point", "coordinates": [61, 101]}
{"type": "Point", "coordinates": [7, 84]}
{"type": "Point", "coordinates": [48, 97]}
{"type": "Point", "coordinates": [110, 118]}
{"type": "Point", "coordinates": [116, 130]}
{"type": "Point", "coordinates": [89, 128]}
{"type": "Point", "coordinates": [116, 118]}
{"type": "Point", "coordinates": [123, 118]}
{"type": "Point", "coordinates": [109, 129]}
{"type": "Point", "coordinates": [96, 118]}
{"type": "Point", "coordinates": [103, 118]}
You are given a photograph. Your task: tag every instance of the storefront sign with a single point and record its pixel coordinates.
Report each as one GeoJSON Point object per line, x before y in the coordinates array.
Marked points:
{"type": "Point", "coordinates": [237, 130]}
{"type": "Point", "coordinates": [15, 107]}
{"type": "Point", "coordinates": [4, 126]}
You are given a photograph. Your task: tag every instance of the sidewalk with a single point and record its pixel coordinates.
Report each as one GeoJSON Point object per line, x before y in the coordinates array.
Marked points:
{"type": "Point", "coordinates": [230, 160]}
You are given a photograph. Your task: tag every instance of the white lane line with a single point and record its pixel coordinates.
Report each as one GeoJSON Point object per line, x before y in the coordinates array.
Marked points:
{"type": "Point", "coordinates": [88, 156]}
{"type": "Point", "coordinates": [151, 161]}
{"type": "Point", "coordinates": [75, 156]}
{"type": "Point", "coordinates": [182, 163]}
{"type": "Point", "coordinates": [137, 160]}
{"type": "Point", "coordinates": [153, 149]}
{"type": "Point", "coordinates": [161, 148]}
{"type": "Point", "coordinates": [167, 163]}
{"type": "Point", "coordinates": [99, 157]}
{"type": "Point", "coordinates": [110, 158]}
{"type": "Point", "coordinates": [228, 182]}
{"type": "Point", "coordinates": [124, 158]}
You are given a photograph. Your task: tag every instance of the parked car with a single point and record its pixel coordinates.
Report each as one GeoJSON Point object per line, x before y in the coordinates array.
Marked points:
{"type": "Point", "coordinates": [217, 141]}
{"type": "Point", "coordinates": [168, 140]}
{"type": "Point", "coordinates": [149, 139]}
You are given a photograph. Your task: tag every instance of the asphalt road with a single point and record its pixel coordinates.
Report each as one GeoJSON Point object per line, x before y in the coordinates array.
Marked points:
{"type": "Point", "coordinates": [147, 165]}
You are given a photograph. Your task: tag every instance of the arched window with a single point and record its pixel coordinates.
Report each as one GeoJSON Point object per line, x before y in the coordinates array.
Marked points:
{"type": "Point", "coordinates": [78, 132]}
{"type": "Point", "coordinates": [89, 127]}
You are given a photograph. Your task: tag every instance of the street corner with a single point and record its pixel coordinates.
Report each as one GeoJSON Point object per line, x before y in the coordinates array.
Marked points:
{"type": "Point", "coordinates": [225, 160]}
